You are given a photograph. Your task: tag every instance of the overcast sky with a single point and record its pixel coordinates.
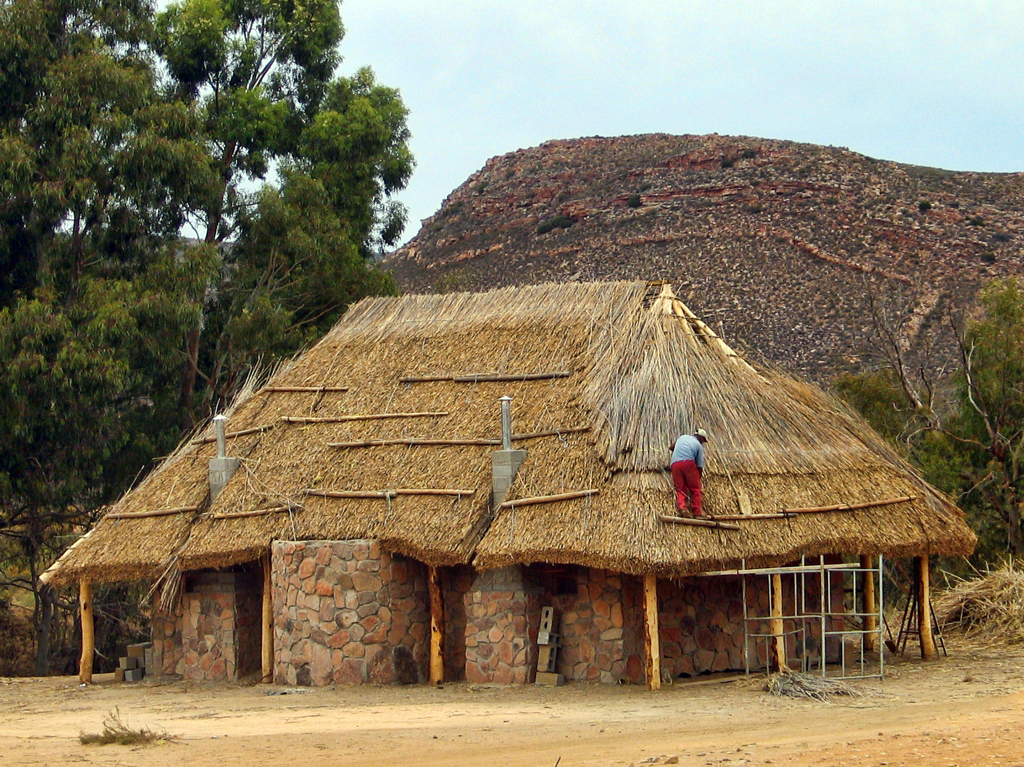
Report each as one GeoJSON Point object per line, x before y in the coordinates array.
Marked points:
{"type": "Point", "coordinates": [937, 83]}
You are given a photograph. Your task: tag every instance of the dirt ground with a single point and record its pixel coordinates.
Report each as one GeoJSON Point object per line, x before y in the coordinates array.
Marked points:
{"type": "Point", "coordinates": [962, 710]}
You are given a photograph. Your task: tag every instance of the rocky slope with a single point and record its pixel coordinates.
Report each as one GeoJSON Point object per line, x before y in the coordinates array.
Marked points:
{"type": "Point", "coordinates": [778, 245]}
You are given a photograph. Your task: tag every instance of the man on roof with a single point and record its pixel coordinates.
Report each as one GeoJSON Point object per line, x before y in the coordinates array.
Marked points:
{"type": "Point", "coordinates": [687, 468]}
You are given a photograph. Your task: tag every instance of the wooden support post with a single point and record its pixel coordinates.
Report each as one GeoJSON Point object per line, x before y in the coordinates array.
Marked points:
{"type": "Point", "coordinates": [924, 610]}
{"type": "Point", "coordinates": [436, 626]}
{"type": "Point", "coordinates": [267, 622]}
{"type": "Point", "coordinates": [870, 604]}
{"type": "Point", "coordinates": [652, 643]}
{"type": "Point", "coordinates": [88, 632]}
{"type": "Point", "coordinates": [777, 648]}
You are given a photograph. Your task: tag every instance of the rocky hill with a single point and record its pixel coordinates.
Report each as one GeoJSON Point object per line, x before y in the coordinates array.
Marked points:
{"type": "Point", "coordinates": [779, 245]}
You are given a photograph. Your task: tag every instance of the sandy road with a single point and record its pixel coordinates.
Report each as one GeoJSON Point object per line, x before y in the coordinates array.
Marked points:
{"type": "Point", "coordinates": [965, 710]}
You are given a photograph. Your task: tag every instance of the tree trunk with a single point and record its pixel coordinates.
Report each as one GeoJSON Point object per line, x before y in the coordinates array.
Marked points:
{"type": "Point", "coordinates": [44, 626]}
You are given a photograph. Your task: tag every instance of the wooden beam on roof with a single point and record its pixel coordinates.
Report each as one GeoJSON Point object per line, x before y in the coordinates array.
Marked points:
{"type": "Point", "coordinates": [652, 639]}
{"type": "Point", "coordinates": [415, 442]}
{"type": "Point", "coordinates": [151, 513]}
{"type": "Point", "coordinates": [482, 442]}
{"type": "Point", "coordinates": [850, 506]}
{"type": "Point", "coordinates": [88, 632]}
{"type": "Point", "coordinates": [233, 434]}
{"type": "Point", "coordinates": [299, 389]}
{"type": "Point", "coordinates": [548, 498]}
{"type": "Point", "coordinates": [385, 494]}
{"type": "Point", "coordinates": [697, 522]}
{"type": "Point", "coordinates": [362, 417]}
{"type": "Point", "coordinates": [437, 626]}
{"type": "Point", "coordinates": [486, 377]}
{"type": "Point", "coordinates": [255, 512]}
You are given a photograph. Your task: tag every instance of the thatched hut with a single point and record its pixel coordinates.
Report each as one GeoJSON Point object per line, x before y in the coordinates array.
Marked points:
{"type": "Point", "coordinates": [377, 528]}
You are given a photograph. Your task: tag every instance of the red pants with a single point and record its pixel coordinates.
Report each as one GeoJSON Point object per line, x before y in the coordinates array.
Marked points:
{"type": "Point", "coordinates": [686, 478]}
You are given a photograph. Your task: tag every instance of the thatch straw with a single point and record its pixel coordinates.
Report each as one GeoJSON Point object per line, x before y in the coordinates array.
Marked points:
{"type": "Point", "coordinates": [637, 373]}
{"type": "Point", "coordinates": [793, 684]}
{"type": "Point", "coordinates": [990, 606]}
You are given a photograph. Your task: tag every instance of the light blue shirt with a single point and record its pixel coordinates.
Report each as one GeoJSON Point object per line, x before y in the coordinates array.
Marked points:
{"type": "Point", "coordinates": [688, 448]}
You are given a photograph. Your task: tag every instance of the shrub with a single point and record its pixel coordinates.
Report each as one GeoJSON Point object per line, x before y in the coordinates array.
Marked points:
{"type": "Point", "coordinates": [561, 221]}
{"type": "Point", "coordinates": [117, 731]}
{"type": "Point", "coordinates": [727, 162]}
{"type": "Point", "coordinates": [988, 257]}
{"type": "Point", "coordinates": [634, 201]}
{"type": "Point", "coordinates": [924, 206]}
{"type": "Point", "coordinates": [975, 221]}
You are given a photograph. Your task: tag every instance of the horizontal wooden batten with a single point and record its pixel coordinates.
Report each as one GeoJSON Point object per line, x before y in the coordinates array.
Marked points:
{"type": "Point", "coordinates": [255, 512]}
{"type": "Point", "coordinates": [421, 441]}
{"type": "Point", "coordinates": [697, 522]}
{"type": "Point", "coordinates": [361, 417]}
{"type": "Point", "coordinates": [385, 494]}
{"type": "Point", "coordinates": [850, 506]}
{"type": "Point", "coordinates": [486, 377]}
{"type": "Point", "coordinates": [548, 498]}
{"type": "Point", "coordinates": [152, 513]}
{"type": "Point", "coordinates": [415, 441]}
{"type": "Point", "coordinates": [300, 389]}
{"type": "Point", "coordinates": [233, 434]}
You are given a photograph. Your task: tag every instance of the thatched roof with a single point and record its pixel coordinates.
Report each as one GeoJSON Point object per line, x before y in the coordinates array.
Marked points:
{"type": "Point", "coordinates": [635, 369]}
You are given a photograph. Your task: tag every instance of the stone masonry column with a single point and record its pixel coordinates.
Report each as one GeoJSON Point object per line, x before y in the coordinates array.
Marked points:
{"type": "Point", "coordinates": [502, 618]}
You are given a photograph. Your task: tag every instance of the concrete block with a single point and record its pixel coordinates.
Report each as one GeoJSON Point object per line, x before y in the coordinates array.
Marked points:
{"type": "Point", "coordinates": [119, 674]}
{"type": "Point", "coordinates": [127, 663]}
{"type": "Point", "coordinates": [549, 679]}
{"type": "Point", "coordinates": [133, 675]}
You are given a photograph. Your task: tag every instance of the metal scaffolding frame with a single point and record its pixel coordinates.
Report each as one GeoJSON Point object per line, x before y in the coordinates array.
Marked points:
{"type": "Point", "coordinates": [848, 638]}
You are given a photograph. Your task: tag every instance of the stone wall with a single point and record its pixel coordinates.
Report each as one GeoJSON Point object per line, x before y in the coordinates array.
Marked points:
{"type": "Point", "coordinates": [168, 649]}
{"type": "Point", "coordinates": [502, 618]}
{"type": "Point", "coordinates": [601, 623]}
{"type": "Point", "coordinates": [347, 612]}
{"type": "Point", "coordinates": [215, 633]}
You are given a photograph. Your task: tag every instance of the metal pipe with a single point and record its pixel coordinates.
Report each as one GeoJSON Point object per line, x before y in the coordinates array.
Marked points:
{"type": "Point", "coordinates": [506, 423]}
{"type": "Point", "coordinates": [218, 425]}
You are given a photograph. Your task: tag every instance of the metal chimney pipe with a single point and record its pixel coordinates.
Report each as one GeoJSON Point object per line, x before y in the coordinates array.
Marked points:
{"type": "Point", "coordinates": [218, 425]}
{"type": "Point", "coordinates": [506, 423]}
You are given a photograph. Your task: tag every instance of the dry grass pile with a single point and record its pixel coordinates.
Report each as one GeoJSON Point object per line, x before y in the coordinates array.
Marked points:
{"type": "Point", "coordinates": [793, 684]}
{"type": "Point", "coordinates": [118, 731]}
{"type": "Point", "coordinates": [991, 605]}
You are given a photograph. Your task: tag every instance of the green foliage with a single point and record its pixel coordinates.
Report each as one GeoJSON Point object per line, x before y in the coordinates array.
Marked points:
{"type": "Point", "coordinates": [877, 396]}
{"type": "Point", "coordinates": [975, 221]}
{"type": "Point", "coordinates": [117, 130]}
{"type": "Point", "coordinates": [260, 76]}
{"type": "Point", "coordinates": [973, 450]}
{"type": "Point", "coordinates": [924, 206]}
{"type": "Point", "coordinates": [634, 201]}
{"type": "Point", "coordinates": [561, 221]}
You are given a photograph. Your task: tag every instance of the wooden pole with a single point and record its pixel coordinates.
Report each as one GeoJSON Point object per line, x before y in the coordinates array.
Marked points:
{"type": "Point", "coordinates": [268, 622]}
{"type": "Point", "coordinates": [88, 631]}
{"type": "Point", "coordinates": [924, 611]}
{"type": "Point", "coordinates": [436, 626]}
{"type": "Point", "coordinates": [870, 604]}
{"type": "Point", "coordinates": [698, 522]}
{"type": "Point", "coordinates": [777, 656]}
{"type": "Point", "coordinates": [652, 643]}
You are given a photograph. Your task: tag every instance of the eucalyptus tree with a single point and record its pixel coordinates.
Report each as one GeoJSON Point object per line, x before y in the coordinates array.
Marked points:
{"type": "Point", "coordinates": [279, 122]}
